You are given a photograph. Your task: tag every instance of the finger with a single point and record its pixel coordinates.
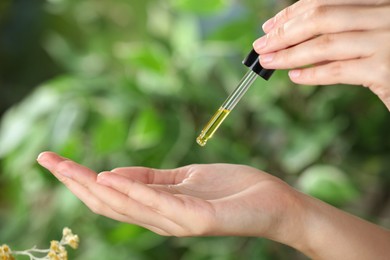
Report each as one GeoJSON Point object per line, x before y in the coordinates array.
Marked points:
{"type": "Point", "coordinates": [181, 210]}
{"type": "Point", "coordinates": [301, 7]}
{"type": "Point", "coordinates": [352, 72]}
{"type": "Point", "coordinates": [98, 207]}
{"type": "Point", "coordinates": [133, 211]}
{"type": "Point", "coordinates": [329, 47]}
{"type": "Point", "coordinates": [51, 161]}
{"type": "Point", "coordinates": [81, 181]}
{"type": "Point", "coordinates": [133, 192]}
{"type": "Point", "coordinates": [138, 191]}
{"type": "Point", "coordinates": [60, 167]}
{"type": "Point", "coordinates": [323, 20]}
{"type": "Point", "coordinates": [102, 207]}
{"type": "Point", "coordinates": [153, 176]}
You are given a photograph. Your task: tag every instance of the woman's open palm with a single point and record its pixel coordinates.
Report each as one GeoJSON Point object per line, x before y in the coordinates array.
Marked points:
{"type": "Point", "coordinates": [214, 199]}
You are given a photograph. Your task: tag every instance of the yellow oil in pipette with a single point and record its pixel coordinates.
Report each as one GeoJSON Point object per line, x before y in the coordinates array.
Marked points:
{"type": "Point", "coordinates": [255, 69]}
{"type": "Point", "coordinates": [217, 119]}
{"type": "Point", "coordinates": [212, 126]}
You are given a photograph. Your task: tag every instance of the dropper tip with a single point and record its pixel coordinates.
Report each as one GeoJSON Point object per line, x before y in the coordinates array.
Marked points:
{"type": "Point", "coordinates": [201, 140]}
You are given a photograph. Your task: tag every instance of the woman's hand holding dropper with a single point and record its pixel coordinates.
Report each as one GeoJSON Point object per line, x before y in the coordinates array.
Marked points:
{"type": "Point", "coordinates": [344, 41]}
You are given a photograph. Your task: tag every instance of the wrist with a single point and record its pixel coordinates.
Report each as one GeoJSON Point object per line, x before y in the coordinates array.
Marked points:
{"type": "Point", "coordinates": [291, 221]}
{"type": "Point", "coordinates": [329, 233]}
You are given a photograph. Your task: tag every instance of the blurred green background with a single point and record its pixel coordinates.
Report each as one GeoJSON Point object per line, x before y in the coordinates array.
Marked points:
{"type": "Point", "coordinates": [118, 83]}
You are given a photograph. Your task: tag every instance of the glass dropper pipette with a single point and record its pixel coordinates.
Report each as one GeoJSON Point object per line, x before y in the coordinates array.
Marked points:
{"type": "Point", "coordinates": [255, 69]}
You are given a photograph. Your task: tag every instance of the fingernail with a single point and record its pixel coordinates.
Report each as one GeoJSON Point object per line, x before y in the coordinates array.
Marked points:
{"type": "Point", "coordinates": [294, 73]}
{"type": "Point", "coordinates": [266, 58]}
{"type": "Point", "coordinates": [41, 159]}
{"type": "Point", "coordinates": [103, 178]}
{"type": "Point", "coordinates": [260, 43]}
{"type": "Point", "coordinates": [102, 174]}
{"type": "Point", "coordinates": [268, 25]}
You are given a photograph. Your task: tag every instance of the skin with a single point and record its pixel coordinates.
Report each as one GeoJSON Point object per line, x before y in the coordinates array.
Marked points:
{"type": "Point", "coordinates": [187, 201]}
{"type": "Point", "coordinates": [343, 41]}
{"type": "Point", "coordinates": [327, 42]}
{"type": "Point", "coordinates": [221, 200]}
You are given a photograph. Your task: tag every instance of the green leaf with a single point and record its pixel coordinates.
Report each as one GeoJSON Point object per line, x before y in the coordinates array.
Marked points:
{"type": "Point", "coordinates": [200, 6]}
{"type": "Point", "coordinates": [185, 40]}
{"type": "Point", "coordinates": [151, 57]}
{"type": "Point", "coordinates": [17, 123]}
{"type": "Point", "coordinates": [307, 145]}
{"type": "Point", "coordinates": [146, 131]}
{"type": "Point", "coordinates": [109, 135]}
{"type": "Point", "coordinates": [140, 238]}
{"type": "Point", "coordinates": [327, 183]}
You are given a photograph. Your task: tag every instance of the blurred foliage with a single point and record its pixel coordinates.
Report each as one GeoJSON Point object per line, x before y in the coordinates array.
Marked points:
{"type": "Point", "coordinates": [117, 83]}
